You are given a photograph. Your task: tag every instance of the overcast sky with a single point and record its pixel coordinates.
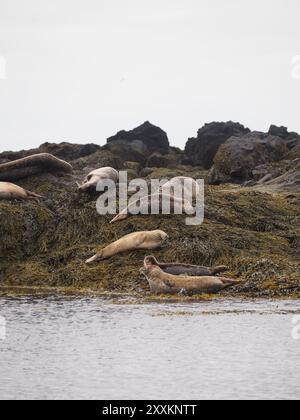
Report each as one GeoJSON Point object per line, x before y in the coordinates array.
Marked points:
{"type": "Point", "coordinates": [81, 70]}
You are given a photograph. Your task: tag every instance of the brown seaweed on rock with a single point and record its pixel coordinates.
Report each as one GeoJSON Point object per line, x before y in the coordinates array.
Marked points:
{"type": "Point", "coordinates": [254, 231]}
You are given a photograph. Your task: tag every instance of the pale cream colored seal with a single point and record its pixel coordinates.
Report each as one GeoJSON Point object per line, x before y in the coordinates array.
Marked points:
{"type": "Point", "coordinates": [137, 240]}
{"type": "Point", "coordinates": [10, 191]}
{"type": "Point", "coordinates": [145, 205]}
{"type": "Point", "coordinates": [94, 177]}
{"type": "Point", "coordinates": [188, 185]}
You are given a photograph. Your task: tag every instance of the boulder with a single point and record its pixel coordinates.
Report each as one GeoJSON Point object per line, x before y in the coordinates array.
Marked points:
{"type": "Point", "coordinates": [292, 139]}
{"type": "Point", "coordinates": [239, 156]}
{"type": "Point", "coordinates": [289, 181]}
{"type": "Point", "coordinates": [135, 151]}
{"type": "Point", "coordinates": [141, 142]}
{"type": "Point", "coordinates": [200, 151]}
{"type": "Point", "coordinates": [158, 160]}
{"type": "Point", "coordinates": [282, 131]}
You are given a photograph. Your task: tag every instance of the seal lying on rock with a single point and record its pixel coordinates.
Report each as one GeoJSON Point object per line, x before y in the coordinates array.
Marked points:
{"type": "Point", "coordinates": [185, 269]}
{"type": "Point", "coordinates": [144, 204]}
{"type": "Point", "coordinates": [137, 240]}
{"type": "Point", "coordinates": [97, 175]}
{"type": "Point", "coordinates": [32, 165]}
{"type": "Point", "coordinates": [163, 283]}
{"type": "Point", "coordinates": [188, 185]}
{"type": "Point", "coordinates": [10, 191]}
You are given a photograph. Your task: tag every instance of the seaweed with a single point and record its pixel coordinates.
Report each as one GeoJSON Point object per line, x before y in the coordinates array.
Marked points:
{"type": "Point", "coordinates": [45, 243]}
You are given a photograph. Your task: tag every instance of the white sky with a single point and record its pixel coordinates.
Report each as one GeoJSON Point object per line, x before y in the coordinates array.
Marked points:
{"type": "Point", "coordinates": [80, 70]}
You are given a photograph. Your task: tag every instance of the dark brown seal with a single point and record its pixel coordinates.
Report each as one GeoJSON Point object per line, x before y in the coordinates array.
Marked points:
{"type": "Point", "coordinates": [185, 269]}
{"type": "Point", "coordinates": [163, 283]}
{"type": "Point", "coordinates": [33, 165]}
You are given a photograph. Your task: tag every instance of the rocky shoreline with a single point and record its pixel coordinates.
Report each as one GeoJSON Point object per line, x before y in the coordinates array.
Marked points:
{"type": "Point", "coordinates": [252, 218]}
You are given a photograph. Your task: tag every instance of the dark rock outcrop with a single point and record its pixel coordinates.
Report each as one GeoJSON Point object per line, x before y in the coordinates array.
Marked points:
{"type": "Point", "coordinates": [292, 139]}
{"type": "Point", "coordinates": [140, 143]}
{"type": "Point", "coordinates": [239, 156]}
{"type": "Point", "coordinates": [170, 160]}
{"type": "Point", "coordinates": [201, 151]}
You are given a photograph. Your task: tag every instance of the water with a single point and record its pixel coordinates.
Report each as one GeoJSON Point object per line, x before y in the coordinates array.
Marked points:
{"type": "Point", "coordinates": [57, 348]}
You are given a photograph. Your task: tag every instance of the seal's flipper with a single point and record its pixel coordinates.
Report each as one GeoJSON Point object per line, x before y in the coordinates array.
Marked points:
{"type": "Point", "coordinates": [32, 195]}
{"type": "Point", "coordinates": [219, 269]}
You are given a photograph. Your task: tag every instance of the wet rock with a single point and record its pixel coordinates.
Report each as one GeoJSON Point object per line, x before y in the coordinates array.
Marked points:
{"type": "Point", "coordinates": [200, 151]}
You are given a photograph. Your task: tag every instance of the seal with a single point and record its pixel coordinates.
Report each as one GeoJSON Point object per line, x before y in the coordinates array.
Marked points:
{"type": "Point", "coordinates": [189, 185]}
{"type": "Point", "coordinates": [10, 191]}
{"type": "Point", "coordinates": [92, 179]}
{"type": "Point", "coordinates": [163, 283]}
{"type": "Point", "coordinates": [137, 240]}
{"type": "Point", "coordinates": [178, 269]}
{"type": "Point", "coordinates": [33, 165]}
{"type": "Point", "coordinates": [144, 204]}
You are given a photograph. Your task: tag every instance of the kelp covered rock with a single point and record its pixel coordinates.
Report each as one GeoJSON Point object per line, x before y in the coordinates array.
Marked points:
{"type": "Point", "coordinates": [46, 243]}
{"type": "Point", "coordinates": [253, 230]}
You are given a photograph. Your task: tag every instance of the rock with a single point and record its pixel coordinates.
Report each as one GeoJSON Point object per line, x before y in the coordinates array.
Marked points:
{"type": "Point", "coordinates": [142, 142]}
{"type": "Point", "coordinates": [133, 166]}
{"type": "Point", "coordinates": [278, 131]}
{"type": "Point", "coordinates": [88, 149]}
{"type": "Point", "coordinates": [260, 171]}
{"type": "Point", "coordinates": [201, 151]}
{"type": "Point", "coordinates": [146, 172]}
{"type": "Point", "coordinates": [216, 177]}
{"type": "Point", "coordinates": [239, 156]}
{"type": "Point", "coordinates": [157, 160]}
{"type": "Point", "coordinates": [266, 178]}
{"type": "Point", "coordinates": [289, 181]}
{"type": "Point", "coordinates": [292, 139]}
{"type": "Point", "coordinates": [294, 153]}
{"type": "Point", "coordinates": [97, 160]}
{"type": "Point", "coordinates": [134, 151]}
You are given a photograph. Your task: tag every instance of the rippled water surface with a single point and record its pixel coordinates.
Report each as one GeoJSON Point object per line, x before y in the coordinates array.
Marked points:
{"type": "Point", "coordinates": [92, 349]}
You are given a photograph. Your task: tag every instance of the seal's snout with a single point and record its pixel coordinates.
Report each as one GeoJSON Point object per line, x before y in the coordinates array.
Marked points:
{"type": "Point", "coordinates": [83, 187]}
{"type": "Point", "coordinates": [149, 261]}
